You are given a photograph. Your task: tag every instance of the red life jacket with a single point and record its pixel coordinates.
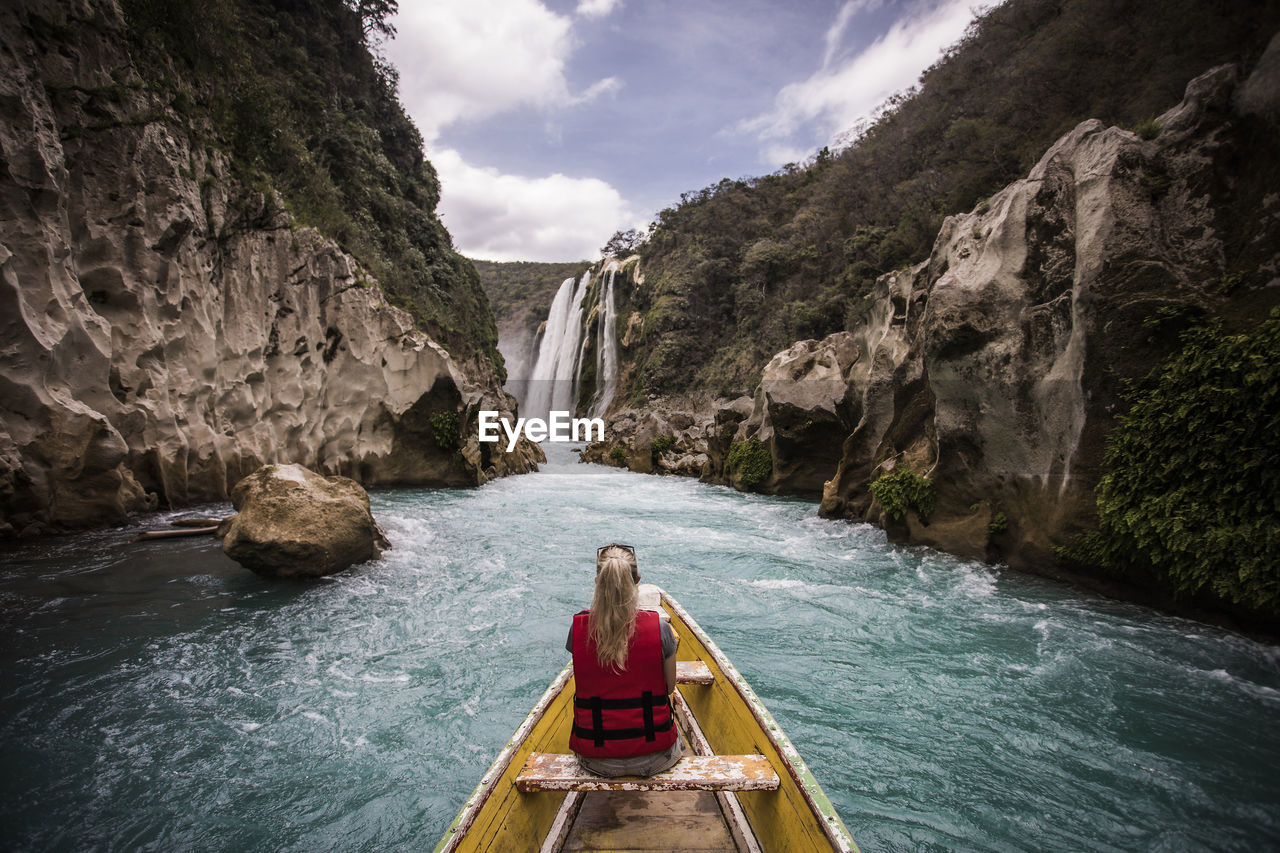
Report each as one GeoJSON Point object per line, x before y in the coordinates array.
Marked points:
{"type": "Point", "coordinates": [620, 714]}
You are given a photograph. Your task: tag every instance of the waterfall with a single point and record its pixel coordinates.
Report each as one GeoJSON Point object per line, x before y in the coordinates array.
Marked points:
{"type": "Point", "coordinates": [606, 346]}
{"type": "Point", "coordinates": [553, 382]}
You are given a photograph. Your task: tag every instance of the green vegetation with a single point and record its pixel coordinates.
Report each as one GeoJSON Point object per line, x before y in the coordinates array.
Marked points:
{"type": "Point", "coordinates": [444, 430]}
{"type": "Point", "coordinates": [1193, 489]}
{"type": "Point", "coordinates": [622, 243]}
{"type": "Point", "coordinates": [525, 285]}
{"type": "Point", "coordinates": [618, 454]}
{"type": "Point", "coordinates": [999, 523]}
{"type": "Point", "coordinates": [901, 490]}
{"type": "Point", "coordinates": [662, 444]}
{"type": "Point", "coordinates": [751, 461]}
{"type": "Point", "coordinates": [1148, 128]}
{"type": "Point", "coordinates": [1231, 282]}
{"type": "Point", "coordinates": [742, 269]}
{"type": "Point", "coordinates": [293, 94]}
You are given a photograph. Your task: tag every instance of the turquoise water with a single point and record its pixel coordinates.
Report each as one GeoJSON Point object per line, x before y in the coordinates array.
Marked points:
{"type": "Point", "coordinates": [157, 696]}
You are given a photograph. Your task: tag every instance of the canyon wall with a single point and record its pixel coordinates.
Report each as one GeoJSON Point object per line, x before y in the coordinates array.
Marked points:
{"type": "Point", "coordinates": [165, 329]}
{"type": "Point", "coordinates": [995, 367]}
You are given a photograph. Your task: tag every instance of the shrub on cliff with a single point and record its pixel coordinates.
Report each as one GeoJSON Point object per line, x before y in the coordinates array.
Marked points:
{"type": "Point", "coordinates": [901, 490]}
{"type": "Point", "coordinates": [444, 430]}
{"type": "Point", "coordinates": [1193, 491]}
{"type": "Point", "coordinates": [751, 461]}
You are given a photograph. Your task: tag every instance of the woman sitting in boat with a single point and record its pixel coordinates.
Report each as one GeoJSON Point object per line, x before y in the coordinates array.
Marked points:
{"type": "Point", "coordinates": [624, 668]}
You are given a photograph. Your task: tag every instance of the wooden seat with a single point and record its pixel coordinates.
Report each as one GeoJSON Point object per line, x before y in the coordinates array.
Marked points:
{"type": "Point", "coordinates": [546, 771]}
{"type": "Point", "coordinates": [693, 672]}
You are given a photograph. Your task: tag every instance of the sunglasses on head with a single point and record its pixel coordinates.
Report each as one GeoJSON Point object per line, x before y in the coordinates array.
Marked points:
{"type": "Point", "coordinates": [600, 551]}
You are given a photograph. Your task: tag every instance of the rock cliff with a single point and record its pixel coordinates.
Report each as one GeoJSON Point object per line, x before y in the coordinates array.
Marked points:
{"type": "Point", "coordinates": [994, 367]}
{"type": "Point", "coordinates": [167, 329]}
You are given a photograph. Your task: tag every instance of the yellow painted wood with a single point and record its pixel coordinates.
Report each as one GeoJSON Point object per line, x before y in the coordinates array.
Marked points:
{"type": "Point", "coordinates": [782, 819]}
{"type": "Point", "coordinates": [511, 820]}
{"type": "Point", "coordinates": [508, 820]}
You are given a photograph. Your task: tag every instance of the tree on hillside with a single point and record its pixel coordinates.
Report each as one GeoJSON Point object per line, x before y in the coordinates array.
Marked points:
{"type": "Point", "coordinates": [373, 17]}
{"type": "Point", "coordinates": [622, 243]}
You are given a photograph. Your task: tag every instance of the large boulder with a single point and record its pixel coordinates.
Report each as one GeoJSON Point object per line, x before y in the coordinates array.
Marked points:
{"type": "Point", "coordinates": [294, 523]}
{"type": "Point", "coordinates": [802, 411]}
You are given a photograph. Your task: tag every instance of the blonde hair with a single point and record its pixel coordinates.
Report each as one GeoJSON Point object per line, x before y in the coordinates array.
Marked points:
{"type": "Point", "coordinates": [613, 607]}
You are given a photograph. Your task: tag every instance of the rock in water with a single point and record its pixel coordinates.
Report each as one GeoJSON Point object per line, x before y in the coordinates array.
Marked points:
{"type": "Point", "coordinates": [294, 523]}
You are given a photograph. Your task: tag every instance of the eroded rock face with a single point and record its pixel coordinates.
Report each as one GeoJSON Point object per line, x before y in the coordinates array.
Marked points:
{"type": "Point", "coordinates": [670, 436]}
{"type": "Point", "coordinates": [293, 523]}
{"type": "Point", "coordinates": [166, 331]}
{"type": "Point", "coordinates": [995, 366]}
{"type": "Point", "coordinates": [801, 411]}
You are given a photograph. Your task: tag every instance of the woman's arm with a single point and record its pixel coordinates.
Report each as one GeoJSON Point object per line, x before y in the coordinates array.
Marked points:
{"type": "Point", "coordinates": [669, 669]}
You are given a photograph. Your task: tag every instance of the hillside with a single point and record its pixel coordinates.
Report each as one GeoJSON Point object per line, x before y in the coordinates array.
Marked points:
{"type": "Point", "coordinates": [741, 269]}
{"type": "Point", "coordinates": [992, 382]}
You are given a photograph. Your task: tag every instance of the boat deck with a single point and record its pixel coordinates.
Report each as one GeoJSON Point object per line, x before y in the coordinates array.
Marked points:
{"type": "Point", "coordinates": [650, 821]}
{"type": "Point", "coordinates": [671, 821]}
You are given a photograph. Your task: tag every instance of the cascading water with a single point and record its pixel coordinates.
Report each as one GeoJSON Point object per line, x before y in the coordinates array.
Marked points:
{"type": "Point", "coordinates": [606, 346]}
{"type": "Point", "coordinates": [553, 382]}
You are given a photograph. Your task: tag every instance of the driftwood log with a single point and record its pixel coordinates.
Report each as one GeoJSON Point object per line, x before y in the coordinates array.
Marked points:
{"type": "Point", "coordinates": [183, 527]}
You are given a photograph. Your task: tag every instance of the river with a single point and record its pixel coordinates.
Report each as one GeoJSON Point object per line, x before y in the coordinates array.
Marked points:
{"type": "Point", "coordinates": [157, 696]}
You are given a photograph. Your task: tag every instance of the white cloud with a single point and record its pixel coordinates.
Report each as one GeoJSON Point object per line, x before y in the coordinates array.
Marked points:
{"type": "Point", "coordinates": [840, 96]}
{"type": "Point", "coordinates": [597, 8]}
{"type": "Point", "coordinates": [501, 217]}
{"type": "Point", "coordinates": [836, 31]}
{"type": "Point", "coordinates": [607, 86]}
{"type": "Point", "coordinates": [778, 154]}
{"type": "Point", "coordinates": [466, 60]}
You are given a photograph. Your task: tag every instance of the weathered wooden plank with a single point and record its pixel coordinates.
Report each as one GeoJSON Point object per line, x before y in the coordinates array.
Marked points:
{"type": "Point", "coordinates": [693, 672]}
{"type": "Point", "coordinates": [546, 771]}
{"type": "Point", "coordinates": [630, 821]}
{"type": "Point", "coordinates": [178, 533]}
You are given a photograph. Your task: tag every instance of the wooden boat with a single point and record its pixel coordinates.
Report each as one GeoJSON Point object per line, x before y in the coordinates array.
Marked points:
{"type": "Point", "coordinates": [741, 785]}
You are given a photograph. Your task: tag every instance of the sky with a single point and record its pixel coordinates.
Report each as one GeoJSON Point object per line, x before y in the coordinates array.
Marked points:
{"type": "Point", "coordinates": [555, 123]}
